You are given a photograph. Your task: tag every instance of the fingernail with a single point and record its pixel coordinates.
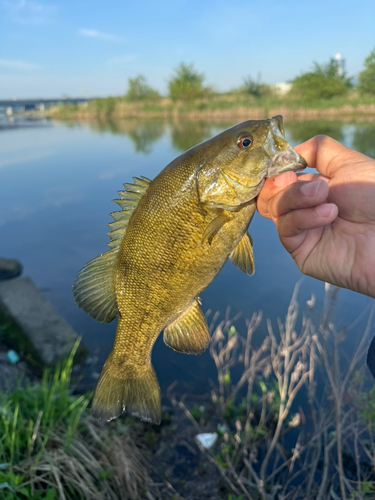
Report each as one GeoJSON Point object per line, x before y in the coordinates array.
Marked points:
{"type": "Point", "coordinates": [326, 210]}
{"type": "Point", "coordinates": [311, 188]}
{"type": "Point", "coordinates": [283, 180]}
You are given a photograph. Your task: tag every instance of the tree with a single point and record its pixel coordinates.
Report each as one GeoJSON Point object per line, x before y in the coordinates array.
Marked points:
{"type": "Point", "coordinates": [367, 76]}
{"type": "Point", "coordinates": [138, 90]}
{"type": "Point", "coordinates": [255, 87]}
{"type": "Point", "coordinates": [187, 83]}
{"type": "Point", "coordinates": [323, 82]}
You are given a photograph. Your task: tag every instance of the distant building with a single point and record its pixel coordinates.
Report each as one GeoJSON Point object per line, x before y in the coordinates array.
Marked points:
{"type": "Point", "coordinates": [340, 64]}
{"type": "Point", "coordinates": [282, 88]}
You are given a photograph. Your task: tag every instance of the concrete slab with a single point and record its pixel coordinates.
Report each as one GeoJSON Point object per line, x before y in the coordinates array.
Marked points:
{"type": "Point", "coordinates": [50, 334]}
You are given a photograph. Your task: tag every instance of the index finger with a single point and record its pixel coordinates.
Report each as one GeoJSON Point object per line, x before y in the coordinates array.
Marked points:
{"type": "Point", "coordinates": [326, 155]}
{"type": "Point", "coordinates": [277, 183]}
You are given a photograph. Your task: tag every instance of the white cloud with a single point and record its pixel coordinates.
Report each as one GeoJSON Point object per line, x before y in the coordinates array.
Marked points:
{"type": "Point", "coordinates": [121, 61]}
{"type": "Point", "coordinates": [98, 35]}
{"type": "Point", "coordinates": [18, 65]}
{"type": "Point", "coordinates": [28, 11]}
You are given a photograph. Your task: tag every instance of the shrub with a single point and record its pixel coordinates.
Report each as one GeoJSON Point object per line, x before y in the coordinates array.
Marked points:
{"type": "Point", "coordinates": [293, 420]}
{"type": "Point", "coordinates": [104, 106]}
{"type": "Point", "coordinates": [255, 87]}
{"type": "Point", "coordinates": [324, 82]}
{"type": "Point", "coordinates": [138, 90]}
{"type": "Point", "coordinates": [367, 76]}
{"type": "Point", "coordinates": [187, 83]}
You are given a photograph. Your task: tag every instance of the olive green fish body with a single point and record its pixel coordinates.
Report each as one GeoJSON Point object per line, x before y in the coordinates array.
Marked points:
{"type": "Point", "coordinates": [155, 264]}
{"type": "Point", "coordinates": [167, 247]}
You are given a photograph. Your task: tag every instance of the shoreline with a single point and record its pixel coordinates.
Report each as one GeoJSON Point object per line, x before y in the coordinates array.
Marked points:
{"type": "Point", "coordinates": [97, 111]}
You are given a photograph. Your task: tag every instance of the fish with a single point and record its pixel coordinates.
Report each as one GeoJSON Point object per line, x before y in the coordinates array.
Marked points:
{"type": "Point", "coordinates": [168, 241]}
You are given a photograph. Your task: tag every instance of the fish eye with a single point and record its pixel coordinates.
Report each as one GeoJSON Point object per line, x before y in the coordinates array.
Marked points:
{"type": "Point", "coordinates": [245, 141]}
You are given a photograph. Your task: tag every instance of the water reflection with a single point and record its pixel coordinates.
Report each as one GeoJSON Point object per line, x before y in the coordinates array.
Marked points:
{"type": "Point", "coordinates": [71, 171]}
{"type": "Point", "coordinates": [302, 131]}
{"type": "Point", "coordinates": [143, 134]}
{"type": "Point", "coordinates": [186, 134]}
{"type": "Point", "coordinates": [17, 122]}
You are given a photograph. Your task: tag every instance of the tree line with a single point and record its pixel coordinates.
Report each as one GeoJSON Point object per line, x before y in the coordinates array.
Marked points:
{"type": "Point", "coordinates": [323, 81]}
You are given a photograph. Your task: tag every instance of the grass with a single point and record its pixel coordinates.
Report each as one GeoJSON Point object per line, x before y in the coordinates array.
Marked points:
{"type": "Point", "coordinates": [217, 105]}
{"type": "Point", "coordinates": [50, 448]}
{"type": "Point", "coordinates": [293, 414]}
{"type": "Point", "coordinates": [12, 336]}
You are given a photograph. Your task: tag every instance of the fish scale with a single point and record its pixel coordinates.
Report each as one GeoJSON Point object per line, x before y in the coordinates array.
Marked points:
{"type": "Point", "coordinates": [168, 242]}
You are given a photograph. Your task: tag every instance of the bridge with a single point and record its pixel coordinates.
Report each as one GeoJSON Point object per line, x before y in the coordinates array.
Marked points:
{"type": "Point", "coordinates": [9, 106]}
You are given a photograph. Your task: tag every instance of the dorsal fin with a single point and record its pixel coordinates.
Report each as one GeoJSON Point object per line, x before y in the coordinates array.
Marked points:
{"type": "Point", "coordinates": [129, 199]}
{"type": "Point", "coordinates": [95, 286]}
{"type": "Point", "coordinates": [94, 289]}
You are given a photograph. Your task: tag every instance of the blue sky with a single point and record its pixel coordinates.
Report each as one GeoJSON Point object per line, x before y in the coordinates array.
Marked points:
{"type": "Point", "coordinates": [90, 48]}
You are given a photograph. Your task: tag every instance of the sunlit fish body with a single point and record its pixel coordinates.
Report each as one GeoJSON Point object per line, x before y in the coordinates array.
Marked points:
{"type": "Point", "coordinates": [168, 242]}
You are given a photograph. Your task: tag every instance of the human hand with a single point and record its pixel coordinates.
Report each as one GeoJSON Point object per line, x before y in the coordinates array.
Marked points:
{"type": "Point", "coordinates": [326, 221]}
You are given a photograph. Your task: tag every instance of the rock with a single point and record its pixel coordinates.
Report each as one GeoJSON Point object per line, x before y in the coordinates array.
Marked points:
{"type": "Point", "coordinates": [51, 336]}
{"type": "Point", "coordinates": [9, 268]}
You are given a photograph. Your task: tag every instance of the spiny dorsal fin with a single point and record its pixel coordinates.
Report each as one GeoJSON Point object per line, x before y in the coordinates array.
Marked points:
{"type": "Point", "coordinates": [129, 199]}
{"type": "Point", "coordinates": [242, 256]}
{"type": "Point", "coordinates": [95, 286]}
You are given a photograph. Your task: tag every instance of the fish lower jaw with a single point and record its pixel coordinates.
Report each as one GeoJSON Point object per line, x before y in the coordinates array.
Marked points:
{"type": "Point", "coordinates": [284, 161]}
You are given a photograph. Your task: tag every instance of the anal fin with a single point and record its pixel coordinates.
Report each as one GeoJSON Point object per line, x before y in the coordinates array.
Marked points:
{"type": "Point", "coordinates": [189, 332]}
{"type": "Point", "coordinates": [242, 256]}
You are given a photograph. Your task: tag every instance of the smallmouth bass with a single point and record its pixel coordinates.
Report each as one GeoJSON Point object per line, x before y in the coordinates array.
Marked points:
{"type": "Point", "coordinates": [168, 242]}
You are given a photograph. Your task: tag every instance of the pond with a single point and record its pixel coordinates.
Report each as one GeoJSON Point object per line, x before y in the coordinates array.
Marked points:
{"type": "Point", "coordinates": [57, 180]}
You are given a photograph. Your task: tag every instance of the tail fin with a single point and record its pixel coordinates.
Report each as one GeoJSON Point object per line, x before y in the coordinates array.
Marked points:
{"type": "Point", "coordinates": [121, 390]}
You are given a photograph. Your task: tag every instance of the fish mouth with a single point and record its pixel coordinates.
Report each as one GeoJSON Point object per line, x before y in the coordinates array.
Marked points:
{"type": "Point", "coordinates": [281, 161]}
{"type": "Point", "coordinates": [285, 161]}
{"type": "Point", "coordinates": [283, 157]}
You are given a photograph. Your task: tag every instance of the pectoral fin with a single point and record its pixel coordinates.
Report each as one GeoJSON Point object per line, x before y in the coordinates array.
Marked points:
{"type": "Point", "coordinates": [215, 225]}
{"type": "Point", "coordinates": [242, 256]}
{"type": "Point", "coordinates": [189, 332]}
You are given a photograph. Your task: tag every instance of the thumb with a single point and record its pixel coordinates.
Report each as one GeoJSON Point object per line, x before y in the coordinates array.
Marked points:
{"type": "Point", "coordinates": [271, 187]}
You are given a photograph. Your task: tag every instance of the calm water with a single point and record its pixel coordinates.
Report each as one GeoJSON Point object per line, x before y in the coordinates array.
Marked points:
{"type": "Point", "coordinates": [57, 181]}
